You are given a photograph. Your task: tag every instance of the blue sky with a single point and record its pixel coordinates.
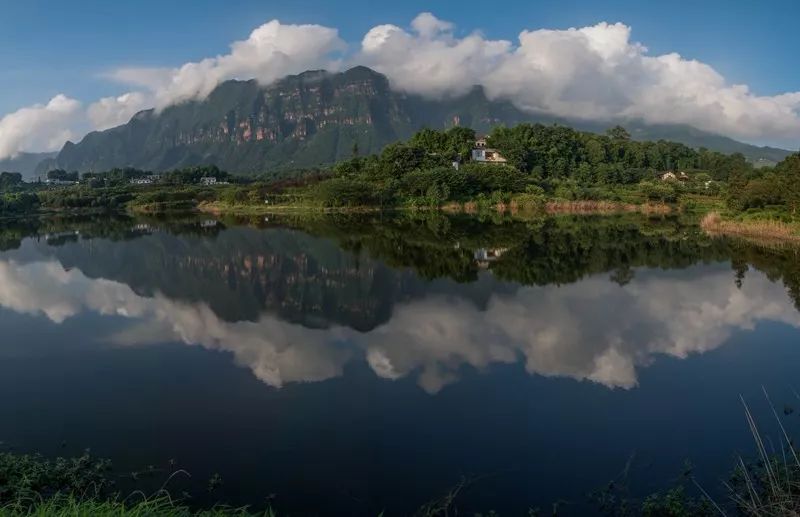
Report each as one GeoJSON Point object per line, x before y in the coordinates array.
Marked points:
{"type": "Point", "coordinates": [47, 47]}
{"type": "Point", "coordinates": [51, 47]}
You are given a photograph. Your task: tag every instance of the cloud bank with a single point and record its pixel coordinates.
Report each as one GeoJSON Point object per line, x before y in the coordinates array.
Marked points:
{"type": "Point", "coordinates": [41, 127]}
{"type": "Point", "coordinates": [596, 72]}
{"type": "Point", "coordinates": [272, 51]}
{"type": "Point", "coordinates": [590, 331]}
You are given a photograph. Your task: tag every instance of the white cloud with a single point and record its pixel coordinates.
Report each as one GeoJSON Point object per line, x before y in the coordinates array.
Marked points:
{"type": "Point", "coordinates": [596, 73]}
{"type": "Point", "coordinates": [272, 51]}
{"type": "Point", "coordinates": [113, 111]}
{"type": "Point", "coordinates": [41, 127]}
{"type": "Point", "coordinates": [593, 72]}
{"type": "Point", "coordinates": [430, 60]}
{"type": "Point", "coordinates": [593, 330]}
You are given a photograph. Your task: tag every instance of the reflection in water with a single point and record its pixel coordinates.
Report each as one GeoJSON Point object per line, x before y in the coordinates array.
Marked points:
{"type": "Point", "coordinates": [347, 313]}
{"type": "Point", "coordinates": [593, 330]}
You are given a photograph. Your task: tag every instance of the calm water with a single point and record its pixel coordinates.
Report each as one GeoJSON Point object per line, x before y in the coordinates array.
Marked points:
{"type": "Point", "coordinates": [353, 365]}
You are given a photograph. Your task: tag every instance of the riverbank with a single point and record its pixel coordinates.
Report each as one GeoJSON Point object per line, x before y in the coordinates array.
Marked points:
{"type": "Point", "coordinates": [82, 486]}
{"type": "Point", "coordinates": [761, 231]}
{"type": "Point", "coordinates": [513, 207]}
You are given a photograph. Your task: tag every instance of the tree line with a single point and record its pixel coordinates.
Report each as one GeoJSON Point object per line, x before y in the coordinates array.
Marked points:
{"type": "Point", "coordinates": [770, 187]}
{"type": "Point", "coordinates": [436, 166]}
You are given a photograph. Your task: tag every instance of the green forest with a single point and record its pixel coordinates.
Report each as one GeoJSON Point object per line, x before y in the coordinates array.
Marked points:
{"type": "Point", "coordinates": [435, 168]}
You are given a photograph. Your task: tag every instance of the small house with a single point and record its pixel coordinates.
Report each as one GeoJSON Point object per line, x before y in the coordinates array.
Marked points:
{"type": "Point", "coordinates": [483, 154]}
{"type": "Point", "coordinates": [673, 176]}
{"type": "Point", "coordinates": [485, 256]}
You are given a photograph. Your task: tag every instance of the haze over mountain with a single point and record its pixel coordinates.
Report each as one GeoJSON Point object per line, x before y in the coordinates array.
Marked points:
{"type": "Point", "coordinates": [316, 118]}
{"type": "Point", "coordinates": [25, 163]}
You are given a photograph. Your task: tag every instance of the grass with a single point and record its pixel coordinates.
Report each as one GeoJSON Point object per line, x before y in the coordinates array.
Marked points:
{"type": "Point", "coordinates": [767, 486]}
{"type": "Point", "coordinates": [764, 231]}
{"type": "Point", "coordinates": [605, 207]}
{"type": "Point", "coordinates": [772, 485]}
{"type": "Point", "coordinates": [137, 505]}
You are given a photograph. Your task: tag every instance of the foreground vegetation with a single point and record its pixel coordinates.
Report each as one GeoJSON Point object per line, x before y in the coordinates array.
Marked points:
{"type": "Point", "coordinates": [768, 485]}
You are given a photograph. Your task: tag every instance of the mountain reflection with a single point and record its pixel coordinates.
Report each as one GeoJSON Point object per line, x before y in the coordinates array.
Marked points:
{"type": "Point", "coordinates": [320, 308]}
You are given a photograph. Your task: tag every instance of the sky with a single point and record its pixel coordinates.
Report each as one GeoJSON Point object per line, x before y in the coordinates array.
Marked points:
{"type": "Point", "coordinates": [723, 66]}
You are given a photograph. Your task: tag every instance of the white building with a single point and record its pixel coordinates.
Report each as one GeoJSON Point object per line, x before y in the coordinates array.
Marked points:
{"type": "Point", "coordinates": [483, 154]}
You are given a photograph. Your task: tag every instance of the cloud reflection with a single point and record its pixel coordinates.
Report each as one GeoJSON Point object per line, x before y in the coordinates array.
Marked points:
{"type": "Point", "coordinates": [593, 330]}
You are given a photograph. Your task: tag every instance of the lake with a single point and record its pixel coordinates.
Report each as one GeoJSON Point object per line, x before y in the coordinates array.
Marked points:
{"type": "Point", "coordinates": [356, 364]}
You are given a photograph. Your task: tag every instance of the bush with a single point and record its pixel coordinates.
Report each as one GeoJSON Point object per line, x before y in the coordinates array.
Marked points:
{"type": "Point", "coordinates": [492, 177]}
{"type": "Point", "coordinates": [343, 192]}
{"type": "Point", "coordinates": [666, 192]}
{"type": "Point", "coordinates": [447, 181]}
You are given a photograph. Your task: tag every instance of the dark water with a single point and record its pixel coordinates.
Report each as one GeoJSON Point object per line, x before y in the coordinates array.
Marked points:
{"type": "Point", "coordinates": [355, 365]}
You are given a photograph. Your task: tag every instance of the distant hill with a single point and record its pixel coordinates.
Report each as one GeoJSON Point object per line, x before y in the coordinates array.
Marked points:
{"type": "Point", "coordinates": [316, 118]}
{"type": "Point", "coordinates": [25, 163]}
{"type": "Point", "coordinates": [760, 156]}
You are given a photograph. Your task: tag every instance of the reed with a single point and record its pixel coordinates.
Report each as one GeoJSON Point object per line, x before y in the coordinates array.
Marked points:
{"type": "Point", "coordinates": [759, 230]}
{"type": "Point", "coordinates": [604, 207]}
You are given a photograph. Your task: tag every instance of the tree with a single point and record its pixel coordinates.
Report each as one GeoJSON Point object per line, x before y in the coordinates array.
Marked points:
{"type": "Point", "coordinates": [62, 175]}
{"type": "Point", "coordinates": [400, 158]}
{"type": "Point", "coordinates": [789, 177]}
{"type": "Point", "coordinates": [10, 179]}
{"type": "Point", "coordinates": [619, 133]}
{"type": "Point", "coordinates": [595, 151]}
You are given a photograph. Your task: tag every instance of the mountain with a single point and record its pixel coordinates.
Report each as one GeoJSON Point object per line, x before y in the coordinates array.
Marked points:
{"type": "Point", "coordinates": [312, 119]}
{"type": "Point", "coordinates": [25, 163]}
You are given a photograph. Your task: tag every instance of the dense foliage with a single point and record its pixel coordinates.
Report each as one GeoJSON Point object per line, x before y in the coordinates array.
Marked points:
{"type": "Point", "coordinates": [434, 167]}
{"type": "Point", "coordinates": [777, 187]}
{"type": "Point", "coordinates": [560, 152]}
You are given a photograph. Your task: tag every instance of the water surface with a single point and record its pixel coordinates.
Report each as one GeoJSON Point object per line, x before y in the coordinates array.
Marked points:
{"type": "Point", "coordinates": [351, 365]}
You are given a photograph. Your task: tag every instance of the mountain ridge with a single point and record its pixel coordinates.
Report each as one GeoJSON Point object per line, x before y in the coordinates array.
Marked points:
{"type": "Point", "coordinates": [316, 118]}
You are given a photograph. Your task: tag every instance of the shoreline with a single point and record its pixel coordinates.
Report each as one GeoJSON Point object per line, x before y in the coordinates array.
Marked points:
{"type": "Point", "coordinates": [768, 232]}
{"type": "Point", "coordinates": [551, 207]}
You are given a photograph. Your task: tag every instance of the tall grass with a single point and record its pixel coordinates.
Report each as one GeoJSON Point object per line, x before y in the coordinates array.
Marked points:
{"type": "Point", "coordinates": [604, 207]}
{"type": "Point", "coordinates": [756, 230]}
{"type": "Point", "coordinates": [771, 486]}
{"type": "Point", "coordinates": [766, 486]}
{"type": "Point", "coordinates": [157, 506]}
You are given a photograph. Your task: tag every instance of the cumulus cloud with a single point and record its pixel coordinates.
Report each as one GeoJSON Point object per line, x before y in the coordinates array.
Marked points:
{"type": "Point", "coordinates": [41, 127]}
{"type": "Point", "coordinates": [113, 111]}
{"type": "Point", "coordinates": [594, 72]}
{"type": "Point", "coordinates": [591, 331]}
{"type": "Point", "coordinates": [273, 50]}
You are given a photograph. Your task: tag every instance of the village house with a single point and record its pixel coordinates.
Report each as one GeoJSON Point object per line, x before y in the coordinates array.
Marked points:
{"type": "Point", "coordinates": [483, 256]}
{"type": "Point", "coordinates": [483, 154]}
{"type": "Point", "coordinates": [210, 181]}
{"type": "Point", "coordinates": [145, 180]}
{"type": "Point", "coordinates": [672, 176]}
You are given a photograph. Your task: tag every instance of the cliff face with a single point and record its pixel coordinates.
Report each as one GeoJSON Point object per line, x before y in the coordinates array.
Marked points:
{"type": "Point", "coordinates": [313, 119]}
{"type": "Point", "coordinates": [306, 120]}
